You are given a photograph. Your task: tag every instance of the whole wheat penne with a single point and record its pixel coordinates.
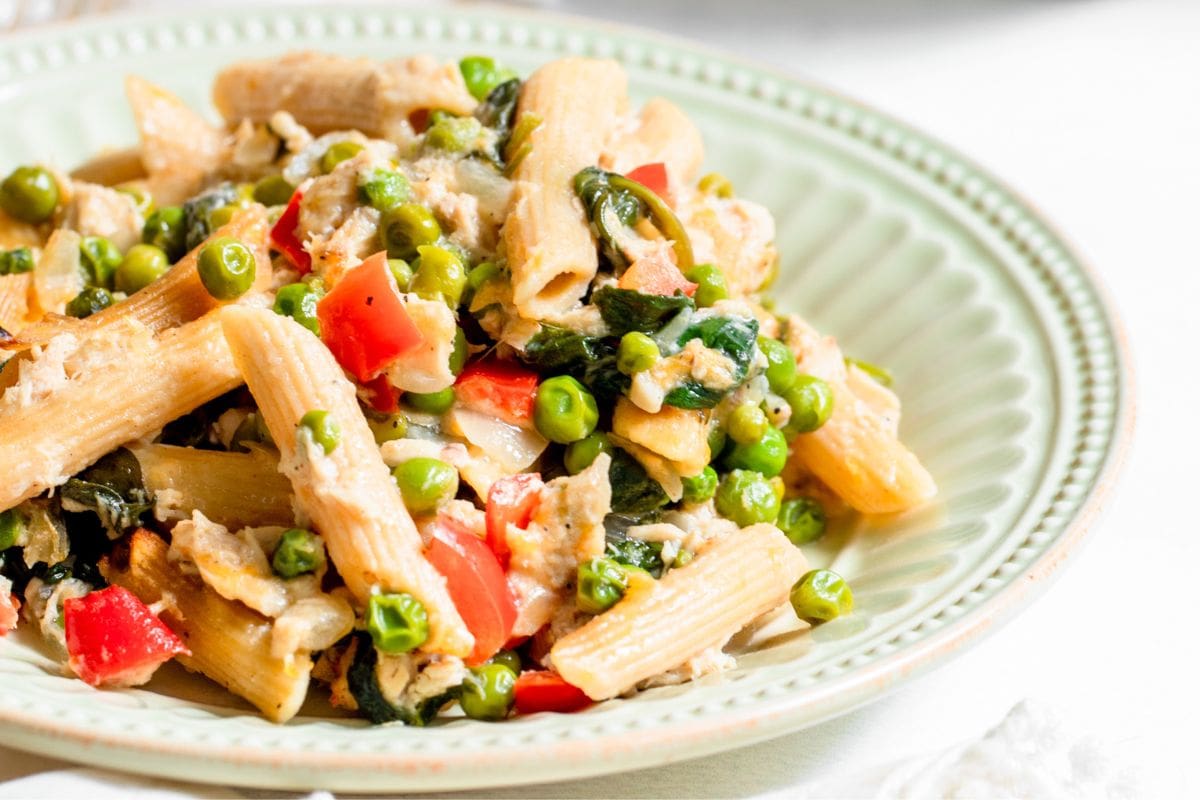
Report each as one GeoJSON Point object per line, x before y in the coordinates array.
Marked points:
{"type": "Point", "coordinates": [14, 233]}
{"type": "Point", "coordinates": [14, 301]}
{"type": "Point", "coordinates": [229, 643]}
{"type": "Point", "coordinates": [237, 490]}
{"type": "Point", "coordinates": [663, 133]}
{"type": "Point", "coordinates": [348, 492]}
{"type": "Point", "coordinates": [112, 167]}
{"type": "Point", "coordinates": [78, 399]}
{"type": "Point", "coordinates": [856, 453]}
{"type": "Point", "coordinates": [691, 609]}
{"type": "Point", "coordinates": [550, 250]}
{"type": "Point", "coordinates": [178, 147]}
{"type": "Point", "coordinates": [177, 297]}
{"type": "Point", "coordinates": [325, 92]}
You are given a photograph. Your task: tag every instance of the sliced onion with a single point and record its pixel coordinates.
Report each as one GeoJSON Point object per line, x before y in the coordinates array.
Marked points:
{"type": "Point", "coordinates": [58, 276]}
{"type": "Point", "coordinates": [512, 447]}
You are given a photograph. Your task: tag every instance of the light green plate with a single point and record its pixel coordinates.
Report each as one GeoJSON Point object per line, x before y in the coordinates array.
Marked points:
{"type": "Point", "coordinates": [1008, 359]}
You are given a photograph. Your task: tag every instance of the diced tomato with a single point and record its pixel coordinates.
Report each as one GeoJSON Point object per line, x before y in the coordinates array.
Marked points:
{"type": "Point", "coordinates": [653, 177]}
{"type": "Point", "coordinates": [476, 584]}
{"type": "Point", "coordinates": [364, 321]}
{"type": "Point", "coordinates": [419, 119]}
{"type": "Point", "coordinates": [503, 389]}
{"type": "Point", "coordinates": [283, 236]}
{"type": "Point", "coordinates": [547, 691]}
{"type": "Point", "coordinates": [10, 611]}
{"type": "Point", "coordinates": [113, 639]}
{"type": "Point", "coordinates": [655, 274]}
{"type": "Point", "coordinates": [511, 500]}
{"type": "Point", "coordinates": [382, 396]}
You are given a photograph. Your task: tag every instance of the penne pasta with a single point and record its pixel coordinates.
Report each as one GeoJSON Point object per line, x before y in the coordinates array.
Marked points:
{"type": "Point", "coordinates": [80, 398]}
{"type": "Point", "coordinates": [856, 453]}
{"type": "Point", "coordinates": [14, 301]}
{"type": "Point", "coordinates": [661, 625]}
{"type": "Point", "coordinates": [229, 643]}
{"type": "Point", "coordinates": [551, 253]}
{"type": "Point", "coordinates": [326, 93]}
{"type": "Point", "coordinates": [238, 490]}
{"type": "Point", "coordinates": [348, 493]}
{"type": "Point", "coordinates": [178, 147]}
{"type": "Point", "coordinates": [112, 168]}
{"type": "Point", "coordinates": [663, 133]}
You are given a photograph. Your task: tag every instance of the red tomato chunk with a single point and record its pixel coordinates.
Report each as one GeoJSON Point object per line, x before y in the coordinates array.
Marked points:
{"type": "Point", "coordinates": [113, 639]}
{"type": "Point", "coordinates": [548, 691]}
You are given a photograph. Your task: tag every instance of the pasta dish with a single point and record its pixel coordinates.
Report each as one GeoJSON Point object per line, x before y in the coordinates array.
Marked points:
{"type": "Point", "coordinates": [456, 392]}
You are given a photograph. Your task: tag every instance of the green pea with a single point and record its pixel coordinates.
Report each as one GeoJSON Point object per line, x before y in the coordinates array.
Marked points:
{"type": "Point", "coordinates": [821, 595]}
{"type": "Point", "coordinates": [440, 275]}
{"type": "Point", "coordinates": [747, 423]}
{"type": "Point", "coordinates": [599, 584]}
{"type": "Point", "coordinates": [405, 228]}
{"type": "Point", "coordinates": [388, 429]}
{"type": "Point", "coordinates": [636, 353]}
{"type": "Point", "coordinates": [879, 374]}
{"type": "Point", "coordinates": [433, 402]}
{"type": "Point", "coordinates": [101, 258]}
{"type": "Point", "coordinates": [401, 272]}
{"type": "Point", "coordinates": [299, 552]}
{"type": "Point", "coordinates": [811, 401]}
{"type": "Point", "coordinates": [718, 184]}
{"type": "Point", "coordinates": [781, 364]}
{"type": "Point", "coordinates": [88, 302]}
{"type": "Point", "coordinates": [299, 301]}
{"type": "Point", "coordinates": [453, 134]}
{"type": "Point", "coordinates": [398, 623]}
{"type": "Point", "coordinates": [458, 356]}
{"type": "Point", "coordinates": [481, 74]}
{"type": "Point", "coordinates": [12, 528]}
{"type": "Point", "coordinates": [747, 498]}
{"type": "Point", "coordinates": [564, 411]}
{"type": "Point", "coordinates": [167, 230]}
{"type": "Point", "coordinates": [324, 429]}
{"type": "Point", "coordinates": [487, 692]}
{"type": "Point", "coordinates": [509, 659]}
{"type": "Point", "coordinates": [779, 487]}
{"type": "Point", "coordinates": [226, 268]}
{"type": "Point", "coordinates": [219, 217]}
{"type": "Point", "coordinates": [699, 488]}
{"type": "Point", "coordinates": [683, 558]}
{"type": "Point", "coordinates": [273, 190]}
{"type": "Point", "coordinates": [143, 201]}
{"type": "Point", "coordinates": [717, 439]}
{"type": "Point", "coordinates": [802, 519]}
{"type": "Point", "coordinates": [579, 455]}
{"type": "Point", "coordinates": [16, 262]}
{"type": "Point", "coordinates": [337, 153]}
{"type": "Point", "coordinates": [29, 194]}
{"type": "Point", "coordinates": [425, 483]}
{"type": "Point", "coordinates": [383, 189]}
{"type": "Point", "coordinates": [481, 274]}
{"type": "Point", "coordinates": [141, 266]}
{"type": "Point", "coordinates": [767, 455]}
{"type": "Point", "coordinates": [710, 284]}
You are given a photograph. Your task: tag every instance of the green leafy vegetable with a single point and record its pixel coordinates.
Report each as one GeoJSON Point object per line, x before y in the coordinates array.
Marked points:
{"type": "Point", "coordinates": [111, 488]}
{"type": "Point", "coordinates": [626, 310]}
{"type": "Point", "coordinates": [364, 686]}
{"type": "Point", "coordinates": [636, 553]}
{"type": "Point", "coordinates": [15, 262]}
{"type": "Point", "coordinates": [732, 336]}
{"type": "Point", "coordinates": [498, 111]}
{"type": "Point", "coordinates": [633, 491]}
{"type": "Point", "coordinates": [197, 212]}
{"type": "Point", "coordinates": [613, 201]}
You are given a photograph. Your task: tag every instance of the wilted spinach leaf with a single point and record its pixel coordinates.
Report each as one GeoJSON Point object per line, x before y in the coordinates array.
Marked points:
{"type": "Point", "coordinates": [364, 686]}
{"type": "Point", "coordinates": [633, 491]}
{"type": "Point", "coordinates": [626, 310]}
{"type": "Point", "coordinates": [732, 336]}
{"type": "Point", "coordinates": [197, 212]}
{"type": "Point", "coordinates": [111, 488]}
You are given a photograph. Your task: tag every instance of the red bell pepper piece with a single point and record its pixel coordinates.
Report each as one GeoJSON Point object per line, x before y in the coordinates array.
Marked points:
{"type": "Point", "coordinates": [511, 500]}
{"type": "Point", "coordinates": [113, 639]}
{"type": "Point", "coordinates": [10, 612]}
{"type": "Point", "coordinates": [653, 177]}
{"type": "Point", "coordinates": [547, 691]}
{"type": "Point", "coordinates": [382, 396]}
{"type": "Point", "coordinates": [476, 584]}
{"type": "Point", "coordinates": [655, 274]}
{"type": "Point", "coordinates": [364, 322]}
{"type": "Point", "coordinates": [283, 236]}
{"type": "Point", "coordinates": [503, 389]}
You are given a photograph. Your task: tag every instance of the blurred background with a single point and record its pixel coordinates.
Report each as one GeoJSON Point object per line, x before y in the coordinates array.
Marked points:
{"type": "Point", "coordinates": [1089, 108]}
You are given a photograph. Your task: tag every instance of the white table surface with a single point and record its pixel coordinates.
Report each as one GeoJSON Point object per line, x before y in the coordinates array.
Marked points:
{"type": "Point", "coordinates": [1092, 110]}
